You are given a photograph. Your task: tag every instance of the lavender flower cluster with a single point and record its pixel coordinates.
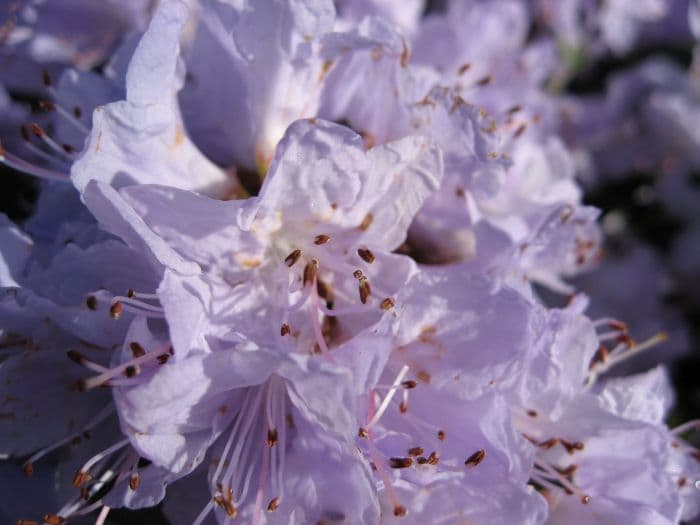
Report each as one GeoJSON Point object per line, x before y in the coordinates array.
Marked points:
{"type": "Point", "coordinates": [289, 263]}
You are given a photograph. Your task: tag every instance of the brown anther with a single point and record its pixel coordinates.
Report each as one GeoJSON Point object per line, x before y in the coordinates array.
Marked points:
{"type": "Point", "coordinates": [134, 481]}
{"type": "Point", "coordinates": [84, 493]}
{"type": "Point", "coordinates": [484, 81]}
{"type": "Point", "coordinates": [532, 413]}
{"type": "Point", "coordinates": [81, 385]}
{"type": "Point", "coordinates": [403, 407]}
{"type": "Point", "coordinates": [76, 357]}
{"type": "Point", "coordinates": [421, 460]}
{"type": "Point", "coordinates": [572, 447]}
{"type": "Point", "coordinates": [28, 469]}
{"type": "Point", "coordinates": [476, 458]}
{"type": "Point", "coordinates": [400, 462]}
{"type": "Point", "coordinates": [324, 290]}
{"type": "Point", "coordinates": [521, 129]}
{"type": "Point", "coordinates": [433, 458]}
{"type": "Point", "coordinates": [274, 503]}
{"type": "Point", "coordinates": [441, 435]}
{"type": "Point", "coordinates": [116, 310]}
{"type": "Point", "coordinates": [387, 304]}
{"type": "Point", "coordinates": [136, 349]}
{"type": "Point", "coordinates": [322, 239]}
{"type": "Point", "coordinates": [366, 222]}
{"type": "Point", "coordinates": [37, 130]}
{"type": "Point", "coordinates": [285, 329]}
{"type": "Point", "coordinates": [366, 255]}
{"type": "Point", "coordinates": [423, 376]}
{"type": "Point", "coordinates": [409, 384]}
{"type": "Point", "coordinates": [47, 105]}
{"type": "Point", "coordinates": [568, 471]}
{"type": "Point", "coordinates": [292, 258]}
{"type": "Point", "coordinates": [26, 522]}
{"type": "Point", "coordinates": [362, 432]}
{"type": "Point", "coordinates": [45, 77]}
{"type": "Point", "coordinates": [547, 444]}
{"type": "Point", "coordinates": [272, 437]}
{"type": "Point", "coordinates": [681, 482]}
{"type": "Point", "coordinates": [77, 112]}
{"type": "Point", "coordinates": [464, 68]}
{"type": "Point", "coordinates": [514, 109]}
{"type": "Point", "coordinates": [229, 507]}
{"type": "Point", "coordinates": [132, 371]}
{"type": "Point", "coordinates": [365, 290]}
{"type": "Point", "coordinates": [81, 477]}
{"type": "Point", "coordinates": [68, 148]}
{"type": "Point", "coordinates": [131, 293]}
{"type": "Point", "coordinates": [357, 274]}
{"type": "Point", "coordinates": [163, 358]}
{"type": "Point", "coordinates": [696, 455]}
{"type": "Point", "coordinates": [24, 131]}
{"type": "Point", "coordinates": [415, 451]}
{"type": "Point", "coordinates": [91, 302]}
{"type": "Point", "coordinates": [310, 271]}
{"type": "Point", "coordinates": [53, 519]}
{"type": "Point", "coordinates": [399, 511]}
{"type": "Point", "coordinates": [585, 499]}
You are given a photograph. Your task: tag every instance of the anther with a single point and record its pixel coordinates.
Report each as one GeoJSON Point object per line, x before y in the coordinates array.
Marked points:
{"type": "Point", "coordinates": [272, 437]}
{"type": "Point", "coordinates": [37, 130]}
{"type": "Point", "coordinates": [46, 78]}
{"type": "Point", "coordinates": [292, 258]}
{"type": "Point", "coordinates": [131, 293]}
{"type": "Point", "coordinates": [441, 435]}
{"type": "Point", "coordinates": [362, 432]}
{"type": "Point", "coordinates": [24, 131]}
{"type": "Point", "coordinates": [310, 271]}
{"type": "Point", "coordinates": [532, 413]}
{"type": "Point", "coordinates": [357, 274]}
{"type": "Point", "coordinates": [387, 304]}
{"type": "Point", "coordinates": [572, 447]}
{"type": "Point", "coordinates": [421, 460]}
{"type": "Point", "coordinates": [415, 451]}
{"type": "Point", "coordinates": [136, 349]}
{"type": "Point", "coordinates": [285, 329]}
{"type": "Point", "coordinates": [476, 458]}
{"type": "Point", "coordinates": [116, 310]}
{"type": "Point", "coordinates": [132, 371]}
{"type": "Point", "coordinates": [585, 499]}
{"type": "Point", "coordinates": [81, 477]}
{"type": "Point", "coordinates": [366, 255]}
{"type": "Point", "coordinates": [400, 462]}
{"type": "Point", "coordinates": [399, 511]}
{"type": "Point", "coordinates": [366, 222]}
{"type": "Point", "coordinates": [77, 112]}
{"type": "Point", "coordinates": [433, 458]}
{"type": "Point", "coordinates": [403, 407]}
{"type": "Point", "coordinates": [547, 444]}
{"type": "Point", "coordinates": [409, 384]}
{"type": "Point", "coordinates": [365, 290]}
{"type": "Point", "coordinates": [484, 81]}
{"type": "Point", "coordinates": [26, 522]}
{"type": "Point", "coordinates": [321, 239]}
{"type": "Point", "coordinates": [514, 109]}
{"type": "Point", "coordinates": [53, 519]}
{"type": "Point", "coordinates": [91, 302]}
{"type": "Point", "coordinates": [47, 105]}
{"type": "Point", "coordinates": [76, 357]}
{"type": "Point", "coordinates": [274, 503]}
{"type": "Point", "coordinates": [521, 129]}
{"type": "Point", "coordinates": [464, 68]}
{"type": "Point", "coordinates": [134, 481]}
{"type": "Point", "coordinates": [28, 470]}
{"type": "Point", "coordinates": [163, 358]}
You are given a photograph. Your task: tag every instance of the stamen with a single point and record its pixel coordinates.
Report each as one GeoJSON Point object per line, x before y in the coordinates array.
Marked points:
{"type": "Point", "coordinates": [563, 481]}
{"type": "Point", "coordinates": [14, 162]}
{"type": "Point", "coordinates": [91, 302]}
{"type": "Point", "coordinates": [387, 398]}
{"type": "Point", "coordinates": [273, 505]}
{"type": "Point", "coordinates": [87, 384]}
{"type": "Point", "coordinates": [115, 311]}
{"type": "Point", "coordinates": [399, 511]}
{"type": "Point", "coordinates": [292, 258]}
{"type": "Point", "coordinates": [83, 475]}
{"type": "Point", "coordinates": [387, 304]}
{"type": "Point", "coordinates": [400, 462]}
{"type": "Point", "coordinates": [80, 359]}
{"type": "Point", "coordinates": [415, 451]}
{"type": "Point", "coordinates": [366, 222]}
{"type": "Point", "coordinates": [310, 271]}
{"type": "Point", "coordinates": [366, 255]}
{"type": "Point", "coordinates": [321, 239]}
{"type": "Point", "coordinates": [476, 458]}
{"type": "Point", "coordinates": [53, 519]}
{"type": "Point", "coordinates": [365, 290]}
{"type": "Point", "coordinates": [441, 435]}
{"type": "Point", "coordinates": [134, 481]}
{"type": "Point", "coordinates": [285, 329]}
